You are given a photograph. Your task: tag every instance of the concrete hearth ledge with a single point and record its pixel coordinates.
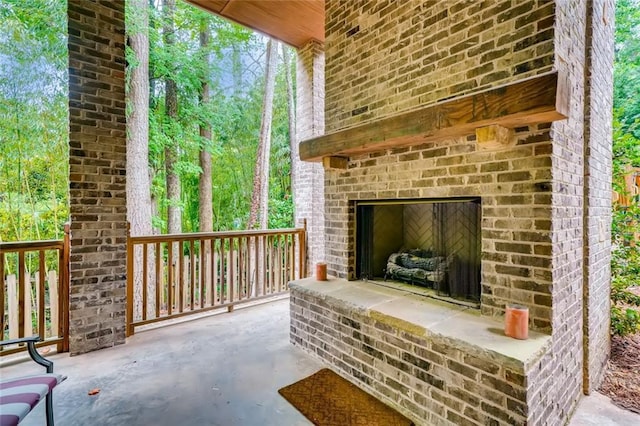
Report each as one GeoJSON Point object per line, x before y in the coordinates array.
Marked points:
{"type": "Point", "coordinates": [461, 327]}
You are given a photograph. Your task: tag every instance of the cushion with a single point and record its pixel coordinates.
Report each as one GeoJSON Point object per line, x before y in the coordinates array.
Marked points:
{"type": "Point", "coordinates": [20, 395]}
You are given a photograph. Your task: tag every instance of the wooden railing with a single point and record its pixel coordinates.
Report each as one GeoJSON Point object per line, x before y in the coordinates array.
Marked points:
{"type": "Point", "coordinates": [34, 294]}
{"type": "Point", "coordinates": [170, 276]}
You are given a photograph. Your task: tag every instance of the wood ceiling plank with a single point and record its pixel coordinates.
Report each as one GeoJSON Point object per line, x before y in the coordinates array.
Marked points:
{"type": "Point", "coordinates": [294, 22]}
{"type": "Point", "coordinates": [214, 6]}
{"type": "Point", "coordinates": [539, 99]}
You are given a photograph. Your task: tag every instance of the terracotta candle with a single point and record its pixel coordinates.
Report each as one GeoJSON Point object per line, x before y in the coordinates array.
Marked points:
{"type": "Point", "coordinates": [516, 322]}
{"type": "Point", "coordinates": [321, 271]}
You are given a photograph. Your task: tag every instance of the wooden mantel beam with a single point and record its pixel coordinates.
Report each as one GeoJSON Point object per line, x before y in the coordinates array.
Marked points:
{"type": "Point", "coordinates": [540, 99]}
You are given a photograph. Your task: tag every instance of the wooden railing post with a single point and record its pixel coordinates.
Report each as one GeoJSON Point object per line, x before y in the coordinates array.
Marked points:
{"type": "Point", "coordinates": [2, 295]}
{"type": "Point", "coordinates": [129, 326]}
{"type": "Point", "coordinates": [64, 284]}
{"type": "Point", "coordinates": [303, 250]}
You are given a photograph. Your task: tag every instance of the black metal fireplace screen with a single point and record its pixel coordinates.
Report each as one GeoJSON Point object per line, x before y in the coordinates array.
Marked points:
{"type": "Point", "coordinates": [428, 243]}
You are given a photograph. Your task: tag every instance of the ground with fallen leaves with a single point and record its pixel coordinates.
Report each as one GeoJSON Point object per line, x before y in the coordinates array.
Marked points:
{"type": "Point", "coordinates": [622, 380]}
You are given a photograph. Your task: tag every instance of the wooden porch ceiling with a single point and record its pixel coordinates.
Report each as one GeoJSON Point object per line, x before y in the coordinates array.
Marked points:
{"type": "Point", "coordinates": [294, 22]}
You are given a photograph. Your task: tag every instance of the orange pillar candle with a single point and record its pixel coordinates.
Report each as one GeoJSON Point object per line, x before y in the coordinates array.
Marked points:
{"type": "Point", "coordinates": [516, 322]}
{"type": "Point", "coordinates": [321, 271]}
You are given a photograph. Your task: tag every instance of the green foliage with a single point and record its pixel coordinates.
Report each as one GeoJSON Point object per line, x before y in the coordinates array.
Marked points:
{"type": "Point", "coordinates": [233, 113]}
{"type": "Point", "coordinates": [627, 66]}
{"type": "Point", "coordinates": [624, 320]}
{"type": "Point", "coordinates": [625, 264]}
{"type": "Point", "coordinates": [33, 120]}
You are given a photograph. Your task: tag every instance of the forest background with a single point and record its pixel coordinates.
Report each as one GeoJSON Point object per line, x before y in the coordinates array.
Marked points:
{"type": "Point", "coordinates": [208, 89]}
{"type": "Point", "coordinates": [34, 140]}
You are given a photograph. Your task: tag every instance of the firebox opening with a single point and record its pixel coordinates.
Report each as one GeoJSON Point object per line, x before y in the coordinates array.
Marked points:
{"type": "Point", "coordinates": [429, 243]}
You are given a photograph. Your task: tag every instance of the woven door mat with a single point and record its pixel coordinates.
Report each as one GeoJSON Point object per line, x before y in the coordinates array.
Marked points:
{"type": "Point", "coordinates": [329, 400]}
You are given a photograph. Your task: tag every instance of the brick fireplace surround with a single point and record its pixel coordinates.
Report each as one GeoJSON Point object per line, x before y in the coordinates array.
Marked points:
{"type": "Point", "coordinates": [545, 207]}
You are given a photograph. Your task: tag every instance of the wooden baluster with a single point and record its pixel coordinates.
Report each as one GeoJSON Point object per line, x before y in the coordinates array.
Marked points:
{"type": "Point", "coordinates": [214, 273]}
{"type": "Point", "coordinates": [192, 278]}
{"type": "Point", "coordinates": [302, 250]}
{"type": "Point", "coordinates": [40, 290]}
{"type": "Point", "coordinates": [145, 281]}
{"type": "Point", "coordinates": [181, 276]}
{"type": "Point", "coordinates": [276, 263]}
{"type": "Point", "coordinates": [281, 269]}
{"type": "Point", "coordinates": [203, 271]}
{"type": "Point", "coordinates": [170, 278]}
{"type": "Point", "coordinates": [158, 278]}
{"type": "Point", "coordinates": [245, 267]}
{"type": "Point", "coordinates": [231, 271]}
{"type": "Point", "coordinates": [53, 303]}
{"type": "Point", "coordinates": [28, 306]}
{"type": "Point", "coordinates": [3, 284]}
{"type": "Point", "coordinates": [21, 295]}
{"type": "Point", "coordinates": [267, 264]}
{"type": "Point", "coordinates": [242, 281]}
{"type": "Point", "coordinates": [264, 266]}
{"type": "Point", "coordinates": [292, 257]}
{"type": "Point", "coordinates": [14, 311]}
{"type": "Point", "coordinates": [257, 273]}
{"type": "Point", "coordinates": [285, 261]}
{"type": "Point", "coordinates": [223, 286]}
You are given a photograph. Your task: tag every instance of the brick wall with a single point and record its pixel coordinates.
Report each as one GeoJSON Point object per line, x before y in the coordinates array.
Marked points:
{"type": "Point", "coordinates": [308, 184]}
{"type": "Point", "coordinates": [516, 215]}
{"type": "Point", "coordinates": [545, 229]}
{"type": "Point", "coordinates": [388, 56]}
{"type": "Point", "coordinates": [431, 379]}
{"type": "Point", "coordinates": [97, 164]}
{"type": "Point", "coordinates": [598, 112]}
{"type": "Point", "coordinates": [557, 382]}
{"type": "Point", "coordinates": [384, 57]}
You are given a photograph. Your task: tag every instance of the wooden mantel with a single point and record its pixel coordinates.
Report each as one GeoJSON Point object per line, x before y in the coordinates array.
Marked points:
{"type": "Point", "coordinates": [540, 99]}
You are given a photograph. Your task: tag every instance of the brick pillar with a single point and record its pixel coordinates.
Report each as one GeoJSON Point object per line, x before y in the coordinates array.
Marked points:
{"type": "Point", "coordinates": [97, 164]}
{"type": "Point", "coordinates": [597, 191]}
{"type": "Point", "coordinates": [308, 187]}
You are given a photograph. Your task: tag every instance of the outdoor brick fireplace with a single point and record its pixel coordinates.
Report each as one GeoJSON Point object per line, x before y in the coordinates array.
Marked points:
{"type": "Point", "coordinates": [503, 105]}
{"type": "Point", "coordinates": [427, 243]}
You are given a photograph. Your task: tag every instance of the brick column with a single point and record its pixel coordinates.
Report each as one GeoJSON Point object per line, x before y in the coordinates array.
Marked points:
{"type": "Point", "coordinates": [308, 185]}
{"type": "Point", "coordinates": [97, 164]}
{"type": "Point", "coordinates": [597, 192]}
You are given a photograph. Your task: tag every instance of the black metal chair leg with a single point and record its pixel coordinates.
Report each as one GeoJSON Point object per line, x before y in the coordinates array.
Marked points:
{"type": "Point", "coordinates": [49, 409]}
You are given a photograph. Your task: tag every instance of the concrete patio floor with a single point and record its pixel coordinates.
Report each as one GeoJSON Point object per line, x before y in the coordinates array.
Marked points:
{"type": "Point", "coordinates": [217, 370]}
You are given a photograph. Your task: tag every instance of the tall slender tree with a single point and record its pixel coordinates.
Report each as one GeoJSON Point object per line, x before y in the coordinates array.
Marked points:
{"type": "Point", "coordinates": [260, 198]}
{"type": "Point", "coordinates": [205, 185]}
{"type": "Point", "coordinates": [138, 181]}
{"type": "Point", "coordinates": [174, 213]}
{"type": "Point", "coordinates": [291, 110]}
{"type": "Point", "coordinates": [138, 185]}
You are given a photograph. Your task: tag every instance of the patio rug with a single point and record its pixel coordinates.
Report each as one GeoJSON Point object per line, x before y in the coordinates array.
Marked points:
{"type": "Point", "coordinates": [329, 400]}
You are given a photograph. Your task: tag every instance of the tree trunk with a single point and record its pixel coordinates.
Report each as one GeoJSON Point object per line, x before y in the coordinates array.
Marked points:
{"type": "Point", "coordinates": [236, 60]}
{"type": "Point", "coordinates": [260, 198]}
{"type": "Point", "coordinates": [291, 109]}
{"type": "Point", "coordinates": [205, 186]}
{"type": "Point", "coordinates": [138, 181]}
{"type": "Point", "coordinates": [174, 216]}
